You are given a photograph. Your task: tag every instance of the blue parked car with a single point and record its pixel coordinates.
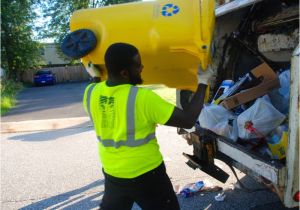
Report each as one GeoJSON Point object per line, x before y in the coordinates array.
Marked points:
{"type": "Point", "coordinates": [44, 77]}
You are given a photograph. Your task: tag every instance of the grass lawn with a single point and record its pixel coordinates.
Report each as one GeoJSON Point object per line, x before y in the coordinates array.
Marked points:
{"type": "Point", "coordinates": [9, 90]}
{"type": "Point", "coordinates": [6, 104]}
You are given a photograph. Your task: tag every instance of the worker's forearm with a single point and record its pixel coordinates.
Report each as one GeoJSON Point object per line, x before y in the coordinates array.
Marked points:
{"type": "Point", "coordinates": [187, 117]}
{"type": "Point", "coordinates": [193, 109]}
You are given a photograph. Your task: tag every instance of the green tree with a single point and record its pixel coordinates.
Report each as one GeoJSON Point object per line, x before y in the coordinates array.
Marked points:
{"type": "Point", "coordinates": [19, 52]}
{"type": "Point", "coordinates": [60, 12]}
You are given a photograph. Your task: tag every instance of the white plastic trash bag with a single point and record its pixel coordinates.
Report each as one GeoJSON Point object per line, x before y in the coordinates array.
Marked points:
{"type": "Point", "coordinates": [262, 116]}
{"type": "Point", "coordinates": [280, 97]}
{"type": "Point", "coordinates": [284, 79]}
{"type": "Point", "coordinates": [219, 120]}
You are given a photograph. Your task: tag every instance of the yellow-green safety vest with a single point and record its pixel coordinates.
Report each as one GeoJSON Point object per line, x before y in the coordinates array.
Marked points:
{"type": "Point", "coordinates": [129, 156]}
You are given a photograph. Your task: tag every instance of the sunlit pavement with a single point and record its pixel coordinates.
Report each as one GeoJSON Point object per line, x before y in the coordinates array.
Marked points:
{"type": "Point", "coordinates": [59, 169]}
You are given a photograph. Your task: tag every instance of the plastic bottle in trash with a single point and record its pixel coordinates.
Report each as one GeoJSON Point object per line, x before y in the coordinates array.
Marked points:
{"type": "Point", "coordinates": [274, 139]}
{"type": "Point", "coordinates": [276, 134]}
{"type": "Point", "coordinates": [277, 142]}
{"type": "Point", "coordinates": [191, 190]}
{"type": "Point", "coordinates": [225, 85]}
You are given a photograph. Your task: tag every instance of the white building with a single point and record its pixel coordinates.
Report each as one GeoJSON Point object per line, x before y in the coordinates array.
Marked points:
{"type": "Point", "coordinates": [51, 56]}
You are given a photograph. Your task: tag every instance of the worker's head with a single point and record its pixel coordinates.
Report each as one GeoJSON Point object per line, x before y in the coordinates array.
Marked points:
{"type": "Point", "coordinates": [123, 62]}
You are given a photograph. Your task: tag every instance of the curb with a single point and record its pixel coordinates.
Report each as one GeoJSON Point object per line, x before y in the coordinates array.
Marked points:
{"type": "Point", "coordinates": [49, 124]}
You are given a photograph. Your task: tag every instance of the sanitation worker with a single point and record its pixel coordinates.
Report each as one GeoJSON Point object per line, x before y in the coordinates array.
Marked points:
{"type": "Point", "coordinates": [125, 117]}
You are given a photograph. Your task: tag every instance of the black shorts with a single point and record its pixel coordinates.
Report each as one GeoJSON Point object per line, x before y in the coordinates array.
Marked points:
{"type": "Point", "coordinates": [151, 191]}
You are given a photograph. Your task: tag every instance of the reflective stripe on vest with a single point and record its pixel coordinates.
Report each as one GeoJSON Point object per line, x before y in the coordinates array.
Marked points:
{"type": "Point", "coordinates": [88, 102]}
{"type": "Point", "coordinates": [130, 141]}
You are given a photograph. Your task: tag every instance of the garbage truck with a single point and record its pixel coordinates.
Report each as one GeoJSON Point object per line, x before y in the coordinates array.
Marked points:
{"type": "Point", "coordinates": [251, 45]}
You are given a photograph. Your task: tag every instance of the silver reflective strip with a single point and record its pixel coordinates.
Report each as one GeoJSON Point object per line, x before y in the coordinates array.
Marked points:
{"type": "Point", "coordinates": [88, 100]}
{"type": "Point", "coordinates": [130, 113]}
{"type": "Point", "coordinates": [134, 143]}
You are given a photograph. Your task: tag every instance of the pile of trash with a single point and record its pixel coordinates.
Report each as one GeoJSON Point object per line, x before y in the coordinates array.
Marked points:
{"type": "Point", "coordinates": [252, 111]}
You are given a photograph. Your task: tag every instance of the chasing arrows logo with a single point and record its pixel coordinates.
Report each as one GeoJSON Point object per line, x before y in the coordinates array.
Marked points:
{"type": "Point", "coordinates": [169, 10]}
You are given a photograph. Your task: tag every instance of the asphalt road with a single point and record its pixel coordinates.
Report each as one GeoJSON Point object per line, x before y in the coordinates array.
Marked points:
{"type": "Point", "coordinates": [60, 170]}
{"type": "Point", "coordinates": [48, 102]}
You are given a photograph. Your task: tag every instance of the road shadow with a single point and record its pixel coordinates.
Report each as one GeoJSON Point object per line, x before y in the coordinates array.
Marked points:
{"type": "Point", "coordinates": [81, 198]}
{"type": "Point", "coordinates": [51, 135]}
{"type": "Point", "coordinates": [33, 100]}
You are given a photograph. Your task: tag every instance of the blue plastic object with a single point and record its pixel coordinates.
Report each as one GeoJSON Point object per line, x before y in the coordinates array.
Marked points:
{"type": "Point", "coordinates": [191, 190]}
{"type": "Point", "coordinates": [79, 43]}
{"type": "Point", "coordinates": [186, 193]}
{"type": "Point", "coordinates": [274, 139]}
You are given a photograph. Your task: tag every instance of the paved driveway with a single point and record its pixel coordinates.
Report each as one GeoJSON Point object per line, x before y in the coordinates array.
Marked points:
{"type": "Point", "coordinates": [48, 102]}
{"type": "Point", "coordinates": [60, 170]}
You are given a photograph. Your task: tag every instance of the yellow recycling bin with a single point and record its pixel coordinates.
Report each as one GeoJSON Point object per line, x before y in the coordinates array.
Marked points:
{"type": "Point", "coordinates": [173, 37]}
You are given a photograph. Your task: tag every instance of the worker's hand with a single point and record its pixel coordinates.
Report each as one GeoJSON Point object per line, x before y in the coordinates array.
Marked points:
{"type": "Point", "coordinates": [206, 76]}
{"type": "Point", "coordinates": [92, 70]}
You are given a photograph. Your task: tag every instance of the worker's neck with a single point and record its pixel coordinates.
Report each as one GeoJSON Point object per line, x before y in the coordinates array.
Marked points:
{"type": "Point", "coordinates": [116, 81]}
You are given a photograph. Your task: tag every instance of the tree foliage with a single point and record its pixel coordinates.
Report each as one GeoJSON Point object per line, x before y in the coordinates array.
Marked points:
{"type": "Point", "coordinates": [19, 52]}
{"type": "Point", "coordinates": [58, 12]}
{"type": "Point", "coordinates": [61, 11]}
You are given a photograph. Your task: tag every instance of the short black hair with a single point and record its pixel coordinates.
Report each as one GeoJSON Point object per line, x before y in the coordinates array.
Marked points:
{"type": "Point", "coordinates": [119, 56]}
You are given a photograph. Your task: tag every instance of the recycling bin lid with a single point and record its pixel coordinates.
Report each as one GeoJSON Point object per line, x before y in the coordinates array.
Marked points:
{"type": "Point", "coordinates": [79, 43]}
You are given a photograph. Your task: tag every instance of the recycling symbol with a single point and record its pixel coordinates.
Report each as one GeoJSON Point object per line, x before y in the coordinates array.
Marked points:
{"type": "Point", "coordinates": [169, 10]}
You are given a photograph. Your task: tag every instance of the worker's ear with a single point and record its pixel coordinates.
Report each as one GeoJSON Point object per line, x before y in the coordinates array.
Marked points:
{"type": "Point", "coordinates": [124, 73]}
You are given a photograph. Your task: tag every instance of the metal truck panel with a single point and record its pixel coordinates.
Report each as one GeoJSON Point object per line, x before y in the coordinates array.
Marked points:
{"type": "Point", "coordinates": [267, 170]}
{"type": "Point", "coordinates": [233, 6]}
{"type": "Point", "coordinates": [292, 160]}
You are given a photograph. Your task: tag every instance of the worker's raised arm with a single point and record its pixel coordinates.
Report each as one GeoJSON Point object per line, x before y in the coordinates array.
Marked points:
{"type": "Point", "coordinates": [187, 117]}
